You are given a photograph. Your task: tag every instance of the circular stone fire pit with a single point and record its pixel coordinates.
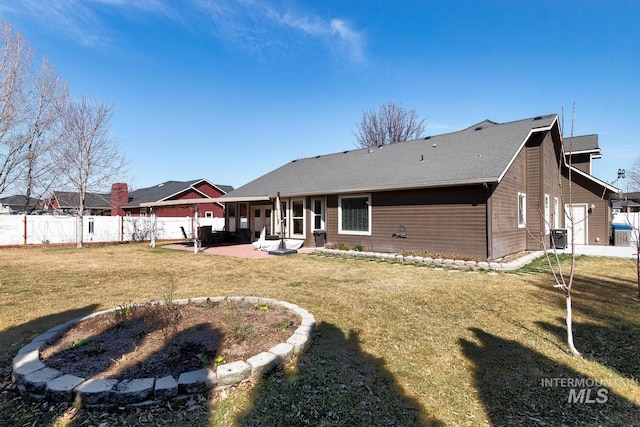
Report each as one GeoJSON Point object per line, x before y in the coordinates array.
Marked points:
{"type": "Point", "coordinates": [41, 382]}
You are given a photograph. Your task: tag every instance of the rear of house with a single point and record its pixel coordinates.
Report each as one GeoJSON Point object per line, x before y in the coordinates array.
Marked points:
{"type": "Point", "coordinates": [484, 192]}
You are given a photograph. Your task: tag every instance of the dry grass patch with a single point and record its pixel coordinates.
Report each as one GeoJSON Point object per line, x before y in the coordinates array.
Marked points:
{"type": "Point", "coordinates": [396, 344]}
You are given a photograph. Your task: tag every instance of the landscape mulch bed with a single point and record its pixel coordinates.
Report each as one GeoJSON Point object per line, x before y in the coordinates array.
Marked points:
{"type": "Point", "coordinates": [131, 342]}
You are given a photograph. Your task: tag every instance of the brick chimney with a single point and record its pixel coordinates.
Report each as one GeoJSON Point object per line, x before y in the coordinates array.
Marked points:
{"type": "Point", "coordinates": [119, 198]}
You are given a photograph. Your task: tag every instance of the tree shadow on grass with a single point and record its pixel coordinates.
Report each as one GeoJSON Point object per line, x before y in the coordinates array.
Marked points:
{"type": "Point", "coordinates": [519, 386]}
{"type": "Point", "coordinates": [337, 384]}
{"type": "Point", "coordinates": [615, 345]}
{"type": "Point", "coordinates": [14, 338]}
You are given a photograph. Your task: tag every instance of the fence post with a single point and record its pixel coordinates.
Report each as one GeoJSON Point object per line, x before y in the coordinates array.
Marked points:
{"type": "Point", "coordinates": [24, 220]}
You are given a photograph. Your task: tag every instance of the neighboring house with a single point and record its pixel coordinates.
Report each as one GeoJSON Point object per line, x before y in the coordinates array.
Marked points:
{"type": "Point", "coordinates": [629, 202]}
{"type": "Point", "coordinates": [165, 197]}
{"type": "Point", "coordinates": [67, 203]}
{"type": "Point", "coordinates": [487, 191]}
{"type": "Point", "coordinates": [14, 205]}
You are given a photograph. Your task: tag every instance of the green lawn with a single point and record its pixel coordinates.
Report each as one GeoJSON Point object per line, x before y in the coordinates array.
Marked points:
{"type": "Point", "coordinates": [395, 344]}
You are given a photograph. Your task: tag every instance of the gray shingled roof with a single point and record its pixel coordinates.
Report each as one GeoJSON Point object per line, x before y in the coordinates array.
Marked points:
{"type": "Point", "coordinates": [17, 202]}
{"type": "Point", "coordinates": [164, 191]}
{"type": "Point", "coordinates": [581, 144]}
{"type": "Point", "coordinates": [70, 200]}
{"type": "Point", "coordinates": [479, 153]}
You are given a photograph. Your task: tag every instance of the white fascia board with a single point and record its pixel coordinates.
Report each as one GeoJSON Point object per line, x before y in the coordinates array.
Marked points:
{"type": "Point", "coordinates": [531, 132]}
{"type": "Point", "coordinates": [594, 179]}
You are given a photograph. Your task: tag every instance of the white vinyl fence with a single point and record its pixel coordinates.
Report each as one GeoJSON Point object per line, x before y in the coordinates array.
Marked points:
{"type": "Point", "coordinates": [49, 229]}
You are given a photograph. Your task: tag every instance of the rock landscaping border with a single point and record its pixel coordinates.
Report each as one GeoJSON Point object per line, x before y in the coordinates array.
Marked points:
{"type": "Point", "coordinates": [34, 378]}
{"type": "Point", "coordinates": [440, 262]}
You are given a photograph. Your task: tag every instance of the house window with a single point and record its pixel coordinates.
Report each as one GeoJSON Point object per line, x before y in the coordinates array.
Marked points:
{"type": "Point", "coordinates": [547, 213]}
{"type": "Point", "coordinates": [297, 217]}
{"type": "Point", "coordinates": [354, 215]}
{"type": "Point", "coordinates": [143, 212]}
{"type": "Point", "coordinates": [208, 214]}
{"type": "Point", "coordinates": [522, 210]}
{"type": "Point", "coordinates": [317, 211]}
{"type": "Point", "coordinates": [91, 226]}
{"type": "Point", "coordinates": [556, 213]}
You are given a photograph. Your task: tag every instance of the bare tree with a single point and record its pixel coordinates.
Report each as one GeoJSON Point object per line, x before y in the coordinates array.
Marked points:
{"type": "Point", "coordinates": [44, 111]}
{"type": "Point", "coordinates": [15, 72]}
{"type": "Point", "coordinates": [391, 124]}
{"type": "Point", "coordinates": [634, 175]}
{"type": "Point", "coordinates": [561, 280]}
{"type": "Point", "coordinates": [87, 158]}
{"type": "Point", "coordinates": [29, 101]}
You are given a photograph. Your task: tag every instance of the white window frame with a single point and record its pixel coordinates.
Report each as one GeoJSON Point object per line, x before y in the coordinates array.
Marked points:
{"type": "Point", "coordinates": [556, 212]}
{"type": "Point", "coordinates": [208, 214]}
{"type": "Point", "coordinates": [303, 218]}
{"type": "Point", "coordinates": [522, 210]}
{"type": "Point", "coordinates": [352, 232]}
{"type": "Point", "coordinates": [547, 214]}
{"type": "Point", "coordinates": [315, 215]}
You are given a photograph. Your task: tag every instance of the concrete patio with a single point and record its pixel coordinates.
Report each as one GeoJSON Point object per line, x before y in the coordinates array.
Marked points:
{"type": "Point", "coordinates": [238, 251]}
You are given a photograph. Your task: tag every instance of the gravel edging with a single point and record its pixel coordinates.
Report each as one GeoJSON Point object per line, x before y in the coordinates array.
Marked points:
{"type": "Point", "coordinates": [37, 380]}
{"type": "Point", "coordinates": [441, 262]}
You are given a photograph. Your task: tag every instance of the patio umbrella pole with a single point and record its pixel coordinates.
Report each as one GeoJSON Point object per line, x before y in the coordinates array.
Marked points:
{"type": "Point", "coordinates": [282, 250]}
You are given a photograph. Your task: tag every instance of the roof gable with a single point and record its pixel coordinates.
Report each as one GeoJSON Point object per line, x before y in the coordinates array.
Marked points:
{"type": "Point", "coordinates": [169, 190]}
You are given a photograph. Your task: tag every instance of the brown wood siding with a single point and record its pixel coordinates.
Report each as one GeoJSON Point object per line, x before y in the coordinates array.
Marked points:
{"type": "Point", "coordinates": [552, 182]}
{"type": "Point", "coordinates": [450, 220]}
{"type": "Point", "coordinates": [581, 161]}
{"type": "Point", "coordinates": [535, 221]}
{"type": "Point", "coordinates": [507, 238]}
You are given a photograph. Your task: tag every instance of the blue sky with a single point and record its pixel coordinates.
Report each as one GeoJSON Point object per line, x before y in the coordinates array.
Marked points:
{"type": "Point", "coordinates": [228, 90]}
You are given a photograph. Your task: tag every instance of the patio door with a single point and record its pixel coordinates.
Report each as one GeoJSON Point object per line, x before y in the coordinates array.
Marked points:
{"type": "Point", "coordinates": [576, 223]}
{"type": "Point", "coordinates": [260, 217]}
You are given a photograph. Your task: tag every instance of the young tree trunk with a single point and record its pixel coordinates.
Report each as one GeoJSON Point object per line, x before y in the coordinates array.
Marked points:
{"type": "Point", "coordinates": [79, 231]}
{"type": "Point", "coordinates": [572, 347]}
{"type": "Point", "coordinates": [638, 266]}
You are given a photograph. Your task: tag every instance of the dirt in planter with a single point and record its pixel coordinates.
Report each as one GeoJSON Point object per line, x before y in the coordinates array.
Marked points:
{"type": "Point", "coordinates": [130, 341]}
